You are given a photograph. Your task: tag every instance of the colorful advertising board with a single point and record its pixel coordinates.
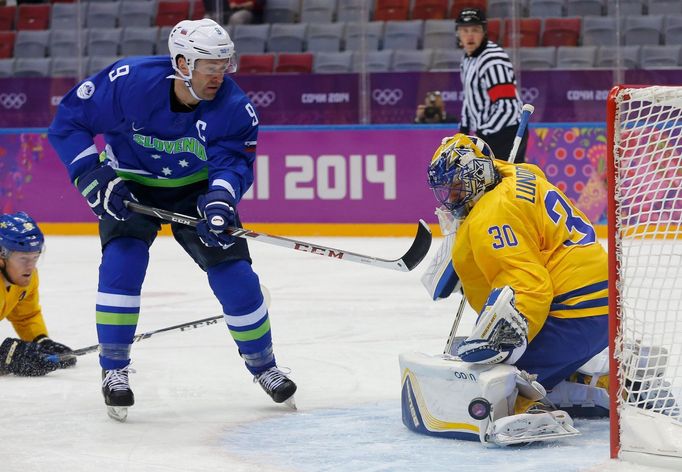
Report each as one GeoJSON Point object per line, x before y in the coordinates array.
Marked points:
{"type": "Point", "coordinates": [363, 175]}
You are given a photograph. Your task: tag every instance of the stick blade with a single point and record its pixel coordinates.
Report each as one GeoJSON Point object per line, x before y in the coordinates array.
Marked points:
{"type": "Point", "coordinates": [420, 247]}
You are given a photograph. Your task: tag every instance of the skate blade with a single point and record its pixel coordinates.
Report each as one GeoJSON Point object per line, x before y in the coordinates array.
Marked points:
{"type": "Point", "coordinates": [118, 413]}
{"type": "Point", "coordinates": [291, 403]}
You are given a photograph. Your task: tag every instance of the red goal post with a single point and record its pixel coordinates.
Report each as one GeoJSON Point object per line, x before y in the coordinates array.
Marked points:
{"type": "Point", "coordinates": [644, 132]}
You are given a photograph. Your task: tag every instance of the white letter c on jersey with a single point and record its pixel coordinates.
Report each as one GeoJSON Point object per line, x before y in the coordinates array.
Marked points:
{"type": "Point", "coordinates": [201, 125]}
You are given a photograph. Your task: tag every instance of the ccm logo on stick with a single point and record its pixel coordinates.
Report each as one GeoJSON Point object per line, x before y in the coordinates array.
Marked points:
{"type": "Point", "coordinates": [318, 250]}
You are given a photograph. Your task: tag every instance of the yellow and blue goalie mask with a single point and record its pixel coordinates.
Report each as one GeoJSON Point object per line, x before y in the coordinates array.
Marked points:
{"type": "Point", "coordinates": [461, 171]}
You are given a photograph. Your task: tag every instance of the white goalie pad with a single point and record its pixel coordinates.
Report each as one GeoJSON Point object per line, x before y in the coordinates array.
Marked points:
{"type": "Point", "coordinates": [446, 397]}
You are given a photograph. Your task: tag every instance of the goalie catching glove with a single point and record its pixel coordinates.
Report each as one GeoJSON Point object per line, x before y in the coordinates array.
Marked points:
{"type": "Point", "coordinates": [500, 334]}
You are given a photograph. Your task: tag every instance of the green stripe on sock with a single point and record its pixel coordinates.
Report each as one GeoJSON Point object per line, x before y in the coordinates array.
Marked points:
{"type": "Point", "coordinates": [119, 319]}
{"type": "Point", "coordinates": [252, 334]}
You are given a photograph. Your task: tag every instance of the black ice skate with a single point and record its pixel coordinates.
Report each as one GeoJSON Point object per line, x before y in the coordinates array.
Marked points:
{"type": "Point", "coordinates": [278, 386]}
{"type": "Point", "coordinates": [117, 393]}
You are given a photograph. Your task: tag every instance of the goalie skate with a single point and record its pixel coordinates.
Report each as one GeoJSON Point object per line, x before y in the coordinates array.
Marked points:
{"type": "Point", "coordinates": [531, 427]}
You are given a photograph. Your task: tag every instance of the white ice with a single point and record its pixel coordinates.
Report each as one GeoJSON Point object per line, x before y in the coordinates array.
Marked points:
{"type": "Point", "coordinates": [338, 326]}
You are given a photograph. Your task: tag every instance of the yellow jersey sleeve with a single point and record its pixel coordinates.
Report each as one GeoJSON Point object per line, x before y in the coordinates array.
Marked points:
{"type": "Point", "coordinates": [21, 306]}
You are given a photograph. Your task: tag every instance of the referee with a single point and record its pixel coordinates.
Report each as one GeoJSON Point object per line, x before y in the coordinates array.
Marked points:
{"type": "Point", "coordinates": [492, 106]}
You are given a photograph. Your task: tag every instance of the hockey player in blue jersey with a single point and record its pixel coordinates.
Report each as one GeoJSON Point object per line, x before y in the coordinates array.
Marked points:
{"type": "Point", "coordinates": [180, 135]}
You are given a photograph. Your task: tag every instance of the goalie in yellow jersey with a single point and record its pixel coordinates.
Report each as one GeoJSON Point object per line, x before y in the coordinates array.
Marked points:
{"type": "Point", "coordinates": [32, 354]}
{"type": "Point", "coordinates": [530, 264]}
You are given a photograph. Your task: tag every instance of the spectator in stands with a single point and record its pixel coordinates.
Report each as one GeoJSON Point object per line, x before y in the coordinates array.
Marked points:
{"type": "Point", "coordinates": [492, 106]}
{"type": "Point", "coordinates": [433, 110]}
{"type": "Point", "coordinates": [245, 12]}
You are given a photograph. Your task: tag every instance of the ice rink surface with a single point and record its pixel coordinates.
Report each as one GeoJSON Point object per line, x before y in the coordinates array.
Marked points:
{"type": "Point", "coordinates": [338, 326]}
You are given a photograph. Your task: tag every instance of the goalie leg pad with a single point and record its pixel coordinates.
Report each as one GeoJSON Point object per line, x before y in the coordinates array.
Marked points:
{"type": "Point", "coordinates": [580, 400]}
{"type": "Point", "coordinates": [446, 397]}
{"type": "Point", "coordinates": [437, 391]}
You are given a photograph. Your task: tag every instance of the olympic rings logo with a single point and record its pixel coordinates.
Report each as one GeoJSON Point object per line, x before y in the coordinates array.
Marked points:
{"type": "Point", "coordinates": [262, 99]}
{"type": "Point", "coordinates": [12, 100]}
{"type": "Point", "coordinates": [529, 95]}
{"type": "Point", "coordinates": [387, 96]}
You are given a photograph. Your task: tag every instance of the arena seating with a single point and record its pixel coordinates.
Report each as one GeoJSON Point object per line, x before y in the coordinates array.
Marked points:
{"type": "Point", "coordinates": [294, 62]}
{"type": "Point", "coordinates": [7, 18]}
{"type": "Point", "coordinates": [402, 34]}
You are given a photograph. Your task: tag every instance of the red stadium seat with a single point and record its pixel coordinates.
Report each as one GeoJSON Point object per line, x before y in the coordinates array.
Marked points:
{"type": "Point", "coordinates": [33, 17]}
{"type": "Point", "coordinates": [7, 15]}
{"type": "Point", "coordinates": [7, 44]}
{"type": "Point", "coordinates": [458, 5]}
{"type": "Point", "coordinates": [429, 9]}
{"type": "Point", "coordinates": [198, 10]}
{"type": "Point", "coordinates": [391, 10]}
{"type": "Point", "coordinates": [171, 13]}
{"type": "Point", "coordinates": [494, 27]}
{"type": "Point", "coordinates": [256, 64]}
{"type": "Point", "coordinates": [293, 62]}
{"type": "Point", "coordinates": [528, 28]}
{"type": "Point", "coordinates": [561, 32]}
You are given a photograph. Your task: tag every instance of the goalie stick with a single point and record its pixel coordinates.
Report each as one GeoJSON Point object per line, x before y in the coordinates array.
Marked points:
{"type": "Point", "coordinates": [414, 255]}
{"type": "Point", "coordinates": [526, 111]}
{"type": "Point", "coordinates": [139, 337]}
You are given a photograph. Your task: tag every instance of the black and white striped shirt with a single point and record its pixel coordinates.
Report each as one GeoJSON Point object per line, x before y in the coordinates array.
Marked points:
{"type": "Point", "coordinates": [491, 100]}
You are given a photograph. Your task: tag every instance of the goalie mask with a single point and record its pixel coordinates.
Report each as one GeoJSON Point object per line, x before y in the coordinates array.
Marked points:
{"type": "Point", "coordinates": [200, 39]}
{"type": "Point", "coordinates": [461, 171]}
{"type": "Point", "coordinates": [19, 233]}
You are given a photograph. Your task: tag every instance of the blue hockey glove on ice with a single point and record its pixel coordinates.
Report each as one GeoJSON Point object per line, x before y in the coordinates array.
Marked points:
{"type": "Point", "coordinates": [105, 192]}
{"type": "Point", "coordinates": [51, 347]}
{"type": "Point", "coordinates": [216, 208]}
{"type": "Point", "coordinates": [24, 358]}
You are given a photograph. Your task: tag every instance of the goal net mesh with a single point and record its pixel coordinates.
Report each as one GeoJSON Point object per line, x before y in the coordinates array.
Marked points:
{"type": "Point", "coordinates": [646, 242]}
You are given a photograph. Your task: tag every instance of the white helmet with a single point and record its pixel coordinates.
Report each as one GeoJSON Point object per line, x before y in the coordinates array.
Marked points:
{"type": "Point", "coordinates": [199, 39]}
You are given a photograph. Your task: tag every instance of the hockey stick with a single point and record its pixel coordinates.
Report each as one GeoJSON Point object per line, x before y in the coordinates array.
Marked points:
{"type": "Point", "coordinates": [526, 111]}
{"type": "Point", "coordinates": [139, 337]}
{"type": "Point", "coordinates": [410, 260]}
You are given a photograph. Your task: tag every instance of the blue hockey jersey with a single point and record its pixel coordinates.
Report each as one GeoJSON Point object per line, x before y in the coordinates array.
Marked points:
{"type": "Point", "coordinates": [146, 142]}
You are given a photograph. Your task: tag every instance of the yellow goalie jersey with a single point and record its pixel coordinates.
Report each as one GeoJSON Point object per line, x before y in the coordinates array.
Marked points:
{"type": "Point", "coordinates": [21, 307]}
{"type": "Point", "coordinates": [526, 233]}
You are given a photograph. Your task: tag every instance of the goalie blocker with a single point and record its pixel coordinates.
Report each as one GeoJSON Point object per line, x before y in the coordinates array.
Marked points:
{"type": "Point", "coordinates": [479, 404]}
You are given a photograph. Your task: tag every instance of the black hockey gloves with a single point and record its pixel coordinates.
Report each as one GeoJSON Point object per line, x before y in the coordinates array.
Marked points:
{"type": "Point", "coordinates": [49, 346]}
{"type": "Point", "coordinates": [217, 212]}
{"type": "Point", "coordinates": [24, 358]}
{"type": "Point", "coordinates": [105, 192]}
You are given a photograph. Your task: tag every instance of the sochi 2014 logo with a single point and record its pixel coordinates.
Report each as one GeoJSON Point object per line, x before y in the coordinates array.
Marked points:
{"type": "Point", "coordinates": [387, 96]}
{"type": "Point", "coordinates": [11, 101]}
{"type": "Point", "coordinates": [262, 98]}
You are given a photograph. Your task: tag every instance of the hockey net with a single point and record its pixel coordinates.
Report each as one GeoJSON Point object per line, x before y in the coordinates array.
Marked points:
{"type": "Point", "coordinates": [645, 273]}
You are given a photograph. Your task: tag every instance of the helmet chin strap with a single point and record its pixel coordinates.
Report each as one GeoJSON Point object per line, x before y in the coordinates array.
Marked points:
{"type": "Point", "coordinates": [187, 79]}
{"type": "Point", "coordinates": [191, 90]}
